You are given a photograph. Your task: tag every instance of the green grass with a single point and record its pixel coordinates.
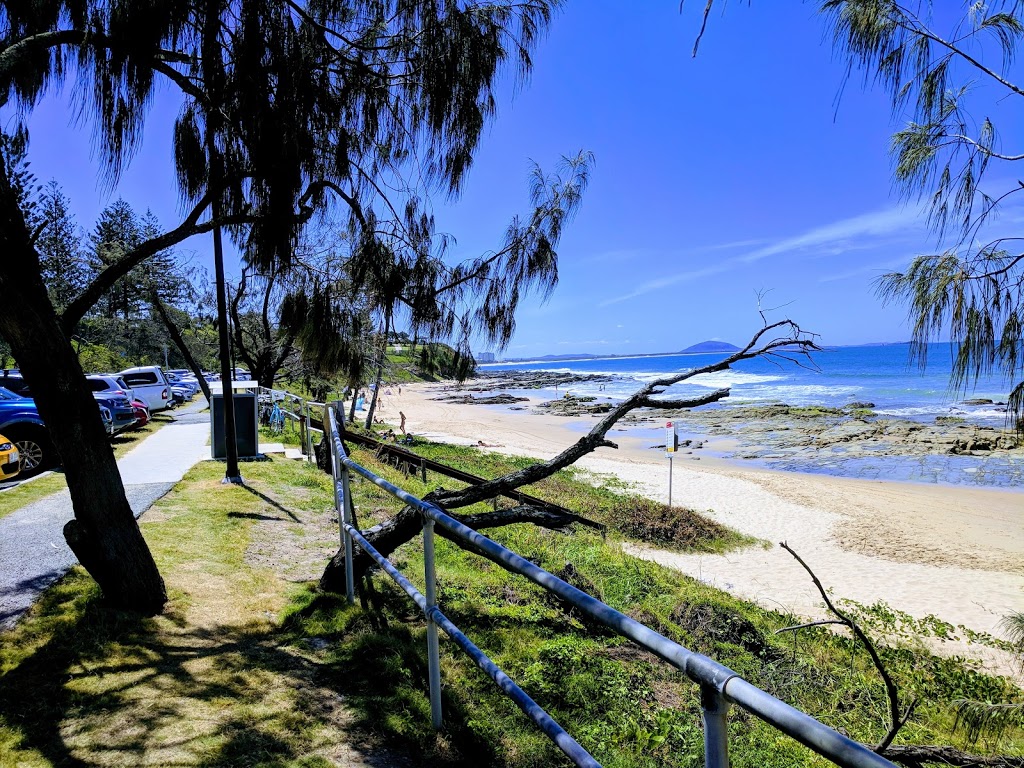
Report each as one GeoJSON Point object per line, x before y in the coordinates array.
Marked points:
{"type": "Point", "coordinates": [609, 502]}
{"type": "Point", "coordinates": [206, 683]}
{"type": "Point", "coordinates": [248, 667]}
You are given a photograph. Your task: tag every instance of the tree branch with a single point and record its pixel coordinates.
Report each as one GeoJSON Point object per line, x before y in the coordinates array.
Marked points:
{"type": "Point", "coordinates": [926, 754]}
{"type": "Point", "coordinates": [82, 303]}
{"type": "Point", "coordinates": [897, 718]}
{"type": "Point", "coordinates": [795, 338]}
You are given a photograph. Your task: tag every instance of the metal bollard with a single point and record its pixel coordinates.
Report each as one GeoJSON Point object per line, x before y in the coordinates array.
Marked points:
{"type": "Point", "coordinates": [309, 435]}
{"type": "Point", "coordinates": [350, 579]}
{"type": "Point", "coordinates": [433, 652]}
{"type": "Point", "coordinates": [716, 727]}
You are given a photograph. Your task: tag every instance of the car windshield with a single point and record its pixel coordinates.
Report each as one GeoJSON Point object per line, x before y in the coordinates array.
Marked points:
{"type": "Point", "coordinates": [6, 394]}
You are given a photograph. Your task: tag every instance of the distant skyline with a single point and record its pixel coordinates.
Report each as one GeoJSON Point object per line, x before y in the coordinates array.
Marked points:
{"type": "Point", "coordinates": [717, 178]}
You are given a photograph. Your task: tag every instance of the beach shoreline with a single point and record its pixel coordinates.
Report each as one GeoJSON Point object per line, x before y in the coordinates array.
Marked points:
{"type": "Point", "coordinates": [950, 551]}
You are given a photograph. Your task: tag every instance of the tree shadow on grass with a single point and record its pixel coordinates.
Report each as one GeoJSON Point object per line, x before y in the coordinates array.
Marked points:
{"type": "Point", "coordinates": [381, 669]}
{"type": "Point", "coordinates": [83, 685]}
{"type": "Point", "coordinates": [275, 504]}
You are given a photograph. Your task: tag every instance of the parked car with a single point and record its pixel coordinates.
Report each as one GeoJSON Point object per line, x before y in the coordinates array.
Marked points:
{"type": "Point", "coordinates": [150, 385]}
{"type": "Point", "coordinates": [141, 413]}
{"type": "Point", "coordinates": [122, 413]}
{"type": "Point", "coordinates": [108, 421]}
{"type": "Point", "coordinates": [109, 382]}
{"type": "Point", "coordinates": [9, 464]}
{"type": "Point", "coordinates": [117, 397]}
{"type": "Point", "coordinates": [21, 423]}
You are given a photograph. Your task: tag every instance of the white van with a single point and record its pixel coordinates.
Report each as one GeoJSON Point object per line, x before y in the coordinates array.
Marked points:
{"type": "Point", "coordinates": [149, 385]}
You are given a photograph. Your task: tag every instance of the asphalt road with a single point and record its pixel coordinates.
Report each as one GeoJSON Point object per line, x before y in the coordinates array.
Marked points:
{"type": "Point", "coordinates": [33, 553]}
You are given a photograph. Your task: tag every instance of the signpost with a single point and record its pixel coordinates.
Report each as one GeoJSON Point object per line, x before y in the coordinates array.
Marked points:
{"type": "Point", "coordinates": [671, 448]}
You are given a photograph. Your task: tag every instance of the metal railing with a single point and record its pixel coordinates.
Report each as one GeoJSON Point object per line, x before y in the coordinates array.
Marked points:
{"type": "Point", "coordinates": [719, 685]}
{"type": "Point", "coordinates": [299, 414]}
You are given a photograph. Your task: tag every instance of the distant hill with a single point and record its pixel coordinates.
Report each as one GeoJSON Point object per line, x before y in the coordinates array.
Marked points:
{"type": "Point", "coordinates": [710, 347]}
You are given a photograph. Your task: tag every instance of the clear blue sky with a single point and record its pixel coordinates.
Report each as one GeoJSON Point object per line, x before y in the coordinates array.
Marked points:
{"type": "Point", "coordinates": [716, 177]}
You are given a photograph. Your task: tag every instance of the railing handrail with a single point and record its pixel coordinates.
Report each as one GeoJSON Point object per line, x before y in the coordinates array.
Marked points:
{"type": "Point", "coordinates": [719, 685]}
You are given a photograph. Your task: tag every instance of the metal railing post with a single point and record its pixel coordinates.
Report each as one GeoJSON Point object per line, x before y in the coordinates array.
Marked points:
{"type": "Point", "coordinates": [716, 727]}
{"type": "Point", "coordinates": [433, 652]}
{"type": "Point", "coordinates": [309, 435]}
{"type": "Point", "coordinates": [350, 578]}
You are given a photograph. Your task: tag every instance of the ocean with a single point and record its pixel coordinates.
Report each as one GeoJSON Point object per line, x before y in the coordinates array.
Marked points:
{"type": "Point", "coordinates": [879, 374]}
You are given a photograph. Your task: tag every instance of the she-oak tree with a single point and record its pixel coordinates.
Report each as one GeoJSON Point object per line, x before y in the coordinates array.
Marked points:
{"type": "Point", "coordinates": [320, 107]}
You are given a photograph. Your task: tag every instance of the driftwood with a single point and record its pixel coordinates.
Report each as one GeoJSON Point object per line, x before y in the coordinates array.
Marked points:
{"type": "Point", "coordinates": [779, 341]}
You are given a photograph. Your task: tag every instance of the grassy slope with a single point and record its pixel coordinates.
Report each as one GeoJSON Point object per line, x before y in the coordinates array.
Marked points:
{"type": "Point", "coordinates": [624, 705]}
{"type": "Point", "coordinates": [206, 683]}
{"type": "Point", "coordinates": [219, 679]}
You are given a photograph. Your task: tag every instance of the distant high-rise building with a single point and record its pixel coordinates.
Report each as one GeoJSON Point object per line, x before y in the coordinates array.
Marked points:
{"type": "Point", "coordinates": [484, 357]}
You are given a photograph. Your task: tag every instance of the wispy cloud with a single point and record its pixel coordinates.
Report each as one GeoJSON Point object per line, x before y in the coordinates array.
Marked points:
{"type": "Point", "coordinates": [840, 236]}
{"type": "Point", "coordinates": [668, 280]}
{"type": "Point", "coordinates": [869, 230]}
{"type": "Point", "coordinates": [874, 270]}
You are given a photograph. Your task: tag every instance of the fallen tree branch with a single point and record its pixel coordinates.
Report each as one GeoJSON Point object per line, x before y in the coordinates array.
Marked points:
{"type": "Point", "coordinates": [809, 624]}
{"type": "Point", "coordinates": [391, 534]}
{"type": "Point", "coordinates": [764, 343]}
{"type": "Point", "coordinates": [928, 754]}
{"type": "Point", "coordinates": [897, 719]}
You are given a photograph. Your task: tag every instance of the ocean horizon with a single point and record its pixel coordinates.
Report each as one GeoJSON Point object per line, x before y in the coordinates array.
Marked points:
{"type": "Point", "coordinates": [882, 374]}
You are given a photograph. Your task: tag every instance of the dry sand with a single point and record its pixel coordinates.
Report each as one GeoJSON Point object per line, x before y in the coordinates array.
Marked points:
{"type": "Point", "coordinates": [957, 553]}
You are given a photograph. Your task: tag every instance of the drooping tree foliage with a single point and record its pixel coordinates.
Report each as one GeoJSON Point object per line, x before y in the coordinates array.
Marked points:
{"type": "Point", "coordinates": [292, 112]}
{"type": "Point", "coordinates": [950, 73]}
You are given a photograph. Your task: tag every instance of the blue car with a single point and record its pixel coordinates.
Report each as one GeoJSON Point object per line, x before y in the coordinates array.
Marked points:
{"type": "Point", "coordinates": [122, 414]}
{"type": "Point", "coordinates": [21, 424]}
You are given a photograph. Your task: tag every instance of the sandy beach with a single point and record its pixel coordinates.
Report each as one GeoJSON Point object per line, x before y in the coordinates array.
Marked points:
{"type": "Point", "coordinates": [954, 552]}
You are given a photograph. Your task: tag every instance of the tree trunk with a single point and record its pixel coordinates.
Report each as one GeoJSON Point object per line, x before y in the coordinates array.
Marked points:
{"type": "Point", "coordinates": [354, 389]}
{"type": "Point", "coordinates": [390, 535]}
{"type": "Point", "coordinates": [380, 373]}
{"type": "Point", "coordinates": [104, 535]}
{"type": "Point", "coordinates": [179, 342]}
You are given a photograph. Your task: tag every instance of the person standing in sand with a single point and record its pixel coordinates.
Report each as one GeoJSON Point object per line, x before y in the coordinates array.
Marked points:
{"type": "Point", "coordinates": [402, 425]}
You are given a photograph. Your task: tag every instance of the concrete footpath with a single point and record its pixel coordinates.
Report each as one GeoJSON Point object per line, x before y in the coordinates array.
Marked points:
{"type": "Point", "coordinates": [33, 553]}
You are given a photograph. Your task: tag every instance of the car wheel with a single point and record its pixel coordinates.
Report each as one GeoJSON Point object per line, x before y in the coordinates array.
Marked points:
{"type": "Point", "coordinates": [34, 452]}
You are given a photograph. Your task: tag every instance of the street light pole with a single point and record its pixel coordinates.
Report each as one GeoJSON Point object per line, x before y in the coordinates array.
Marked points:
{"type": "Point", "coordinates": [215, 183]}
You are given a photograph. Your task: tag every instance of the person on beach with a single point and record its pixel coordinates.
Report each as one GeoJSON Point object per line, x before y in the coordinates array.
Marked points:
{"type": "Point", "coordinates": [402, 425]}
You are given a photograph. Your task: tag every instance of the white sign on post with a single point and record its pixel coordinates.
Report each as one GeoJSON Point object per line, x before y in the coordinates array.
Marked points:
{"type": "Point", "coordinates": [671, 438]}
{"type": "Point", "coordinates": [671, 447]}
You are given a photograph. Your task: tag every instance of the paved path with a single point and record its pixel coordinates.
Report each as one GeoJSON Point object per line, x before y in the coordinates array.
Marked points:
{"type": "Point", "coordinates": [33, 553]}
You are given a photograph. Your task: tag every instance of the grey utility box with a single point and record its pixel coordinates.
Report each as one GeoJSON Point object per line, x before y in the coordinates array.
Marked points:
{"type": "Point", "coordinates": [247, 423]}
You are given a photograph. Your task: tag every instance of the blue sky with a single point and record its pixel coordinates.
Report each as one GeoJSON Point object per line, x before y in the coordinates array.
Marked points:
{"type": "Point", "coordinates": [717, 177]}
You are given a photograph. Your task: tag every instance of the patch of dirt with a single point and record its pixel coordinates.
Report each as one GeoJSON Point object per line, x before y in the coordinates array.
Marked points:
{"type": "Point", "coordinates": [293, 542]}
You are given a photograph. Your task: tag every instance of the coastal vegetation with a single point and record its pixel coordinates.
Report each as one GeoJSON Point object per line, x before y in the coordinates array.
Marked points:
{"type": "Point", "coordinates": [250, 663]}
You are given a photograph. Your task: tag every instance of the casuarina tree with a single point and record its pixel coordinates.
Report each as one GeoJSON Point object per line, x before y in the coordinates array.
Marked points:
{"type": "Point", "coordinates": [290, 110]}
{"type": "Point", "coordinates": [950, 76]}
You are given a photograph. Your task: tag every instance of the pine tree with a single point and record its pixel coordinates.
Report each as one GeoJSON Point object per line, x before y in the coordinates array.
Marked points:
{"type": "Point", "coordinates": [60, 246]}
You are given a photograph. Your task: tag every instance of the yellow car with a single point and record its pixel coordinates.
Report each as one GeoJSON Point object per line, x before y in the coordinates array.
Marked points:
{"type": "Point", "coordinates": [9, 459]}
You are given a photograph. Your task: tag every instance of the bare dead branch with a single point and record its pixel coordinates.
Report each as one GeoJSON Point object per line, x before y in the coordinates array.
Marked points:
{"type": "Point", "coordinates": [809, 624]}
{"type": "Point", "coordinates": [795, 341]}
{"type": "Point", "coordinates": [928, 754]}
{"type": "Point", "coordinates": [897, 718]}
